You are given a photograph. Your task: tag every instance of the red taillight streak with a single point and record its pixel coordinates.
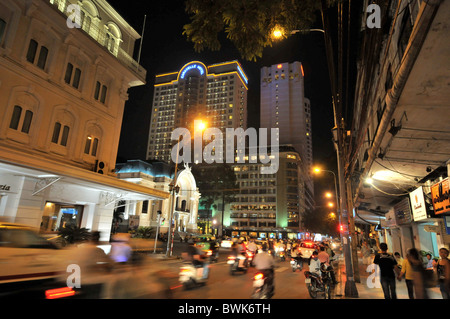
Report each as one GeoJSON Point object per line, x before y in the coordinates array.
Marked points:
{"type": "Point", "coordinates": [259, 276]}
{"type": "Point", "coordinates": [59, 293]}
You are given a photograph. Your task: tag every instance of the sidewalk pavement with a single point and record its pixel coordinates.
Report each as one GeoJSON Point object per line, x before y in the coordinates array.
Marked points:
{"type": "Point", "coordinates": [366, 288]}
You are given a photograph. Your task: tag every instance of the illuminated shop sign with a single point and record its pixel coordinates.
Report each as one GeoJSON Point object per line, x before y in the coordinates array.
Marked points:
{"type": "Point", "coordinates": [190, 67]}
{"type": "Point", "coordinates": [441, 196]}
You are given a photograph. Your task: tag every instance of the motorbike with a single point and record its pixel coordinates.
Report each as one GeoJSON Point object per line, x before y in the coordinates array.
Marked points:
{"type": "Point", "coordinates": [319, 284]}
{"type": "Point", "coordinates": [261, 289]}
{"type": "Point", "coordinates": [296, 263]}
{"type": "Point", "coordinates": [282, 254]}
{"type": "Point", "coordinates": [237, 263]}
{"type": "Point", "coordinates": [212, 255]}
{"type": "Point", "coordinates": [249, 254]}
{"type": "Point", "coordinates": [191, 276]}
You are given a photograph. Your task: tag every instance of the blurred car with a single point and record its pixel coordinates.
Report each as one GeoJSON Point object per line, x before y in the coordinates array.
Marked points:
{"type": "Point", "coordinates": [226, 243]}
{"type": "Point", "coordinates": [307, 248]}
{"type": "Point", "coordinates": [27, 259]}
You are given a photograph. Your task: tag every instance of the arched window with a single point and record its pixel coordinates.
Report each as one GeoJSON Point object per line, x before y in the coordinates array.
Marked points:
{"type": "Point", "coordinates": [21, 120]}
{"type": "Point", "coordinates": [113, 38]}
{"type": "Point", "coordinates": [59, 137]}
{"type": "Point", "coordinates": [89, 18]}
{"type": "Point", "coordinates": [40, 60]}
{"type": "Point", "coordinates": [92, 141]}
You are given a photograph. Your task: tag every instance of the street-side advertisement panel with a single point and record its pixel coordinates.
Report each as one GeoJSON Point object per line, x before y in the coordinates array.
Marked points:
{"type": "Point", "coordinates": [402, 212]}
{"type": "Point", "coordinates": [418, 206]}
{"type": "Point", "coordinates": [440, 196]}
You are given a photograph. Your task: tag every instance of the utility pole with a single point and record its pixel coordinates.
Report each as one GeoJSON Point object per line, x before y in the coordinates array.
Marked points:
{"type": "Point", "coordinates": [336, 88]}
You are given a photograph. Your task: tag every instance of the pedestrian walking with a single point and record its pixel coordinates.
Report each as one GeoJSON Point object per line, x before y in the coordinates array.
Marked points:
{"type": "Point", "coordinates": [414, 273]}
{"type": "Point", "coordinates": [443, 273]}
{"type": "Point", "coordinates": [407, 272]}
{"type": "Point", "coordinates": [388, 269]}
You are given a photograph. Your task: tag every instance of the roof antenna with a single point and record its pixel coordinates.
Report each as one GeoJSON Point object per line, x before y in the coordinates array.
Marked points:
{"type": "Point", "coordinates": [142, 40]}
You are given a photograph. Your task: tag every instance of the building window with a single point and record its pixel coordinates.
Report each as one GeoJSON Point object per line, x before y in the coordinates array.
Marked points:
{"type": "Point", "coordinates": [17, 117]}
{"type": "Point", "coordinates": [405, 31]}
{"type": "Point", "coordinates": [27, 121]}
{"type": "Point", "coordinates": [100, 92]}
{"type": "Point", "coordinates": [33, 47]}
{"type": "Point", "coordinates": [91, 146]}
{"type": "Point", "coordinates": [59, 138]}
{"type": "Point", "coordinates": [14, 124]}
{"type": "Point", "coordinates": [72, 77]}
{"type": "Point", "coordinates": [2, 30]}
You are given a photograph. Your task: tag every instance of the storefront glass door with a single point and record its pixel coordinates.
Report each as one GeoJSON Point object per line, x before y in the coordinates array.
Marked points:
{"type": "Point", "coordinates": [60, 215]}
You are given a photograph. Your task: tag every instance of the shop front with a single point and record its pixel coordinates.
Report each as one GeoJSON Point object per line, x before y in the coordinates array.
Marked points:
{"type": "Point", "coordinates": [415, 222]}
{"type": "Point", "coordinates": [50, 197]}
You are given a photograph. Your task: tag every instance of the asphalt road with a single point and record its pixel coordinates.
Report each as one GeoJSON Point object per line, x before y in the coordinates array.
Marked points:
{"type": "Point", "coordinates": [222, 285]}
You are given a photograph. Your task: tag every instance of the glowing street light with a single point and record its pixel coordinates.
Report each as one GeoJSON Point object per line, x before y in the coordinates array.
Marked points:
{"type": "Point", "coordinates": [318, 170]}
{"type": "Point", "coordinates": [200, 125]}
{"type": "Point", "coordinates": [278, 33]}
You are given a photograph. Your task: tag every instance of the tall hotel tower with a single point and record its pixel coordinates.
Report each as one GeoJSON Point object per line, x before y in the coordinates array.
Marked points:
{"type": "Point", "coordinates": [284, 106]}
{"type": "Point", "coordinates": [216, 94]}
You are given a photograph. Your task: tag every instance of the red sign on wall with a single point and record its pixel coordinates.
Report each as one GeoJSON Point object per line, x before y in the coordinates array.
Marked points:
{"type": "Point", "coordinates": [441, 197]}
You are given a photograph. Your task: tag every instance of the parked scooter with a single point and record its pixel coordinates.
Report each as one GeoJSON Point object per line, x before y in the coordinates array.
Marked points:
{"type": "Point", "coordinates": [192, 276]}
{"type": "Point", "coordinates": [237, 263]}
{"type": "Point", "coordinates": [319, 284]}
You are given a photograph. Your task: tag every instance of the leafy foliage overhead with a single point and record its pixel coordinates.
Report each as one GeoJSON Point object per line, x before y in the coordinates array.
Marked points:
{"type": "Point", "coordinates": [248, 24]}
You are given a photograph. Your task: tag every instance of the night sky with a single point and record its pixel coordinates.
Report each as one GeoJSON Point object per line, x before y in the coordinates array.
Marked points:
{"type": "Point", "coordinates": [165, 49]}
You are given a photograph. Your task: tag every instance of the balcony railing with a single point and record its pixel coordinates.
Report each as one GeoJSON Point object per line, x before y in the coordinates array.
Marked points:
{"type": "Point", "coordinates": [101, 36]}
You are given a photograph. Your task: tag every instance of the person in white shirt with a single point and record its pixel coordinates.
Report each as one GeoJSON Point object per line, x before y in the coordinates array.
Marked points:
{"type": "Point", "coordinates": [265, 263]}
{"type": "Point", "coordinates": [314, 264]}
{"type": "Point", "coordinates": [252, 247]}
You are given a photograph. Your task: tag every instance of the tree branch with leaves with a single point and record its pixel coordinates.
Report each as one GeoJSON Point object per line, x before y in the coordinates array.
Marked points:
{"type": "Point", "coordinates": [248, 24]}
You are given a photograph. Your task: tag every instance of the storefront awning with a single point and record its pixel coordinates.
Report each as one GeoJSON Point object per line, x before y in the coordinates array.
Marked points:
{"type": "Point", "coordinates": [53, 171]}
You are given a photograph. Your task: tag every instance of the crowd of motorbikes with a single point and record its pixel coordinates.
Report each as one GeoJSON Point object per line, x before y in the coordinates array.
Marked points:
{"type": "Point", "coordinates": [194, 272]}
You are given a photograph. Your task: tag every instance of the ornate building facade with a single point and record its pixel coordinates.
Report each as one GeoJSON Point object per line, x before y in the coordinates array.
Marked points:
{"type": "Point", "coordinates": [63, 89]}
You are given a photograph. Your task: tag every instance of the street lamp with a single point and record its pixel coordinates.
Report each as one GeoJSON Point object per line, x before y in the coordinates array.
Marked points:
{"type": "Point", "coordinates": [278, 33]}
{"type": "Point", "coordinates": [350, 287]}
{"type": "Point", "coordinates": [318, 170]}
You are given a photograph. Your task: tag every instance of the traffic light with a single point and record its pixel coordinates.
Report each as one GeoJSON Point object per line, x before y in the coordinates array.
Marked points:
{"type": "Point", "coordinates": [341, 228]}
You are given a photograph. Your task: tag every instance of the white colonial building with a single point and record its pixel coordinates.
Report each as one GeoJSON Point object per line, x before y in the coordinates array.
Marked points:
{"type": "Point", "coordinates": [158, 176]}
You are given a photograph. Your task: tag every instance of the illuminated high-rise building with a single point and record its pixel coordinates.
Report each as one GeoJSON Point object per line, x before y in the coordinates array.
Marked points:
{"type": "Point", "coordinates": [284, 106]}
{"type": "Point", "coordinates": [215, 94]}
